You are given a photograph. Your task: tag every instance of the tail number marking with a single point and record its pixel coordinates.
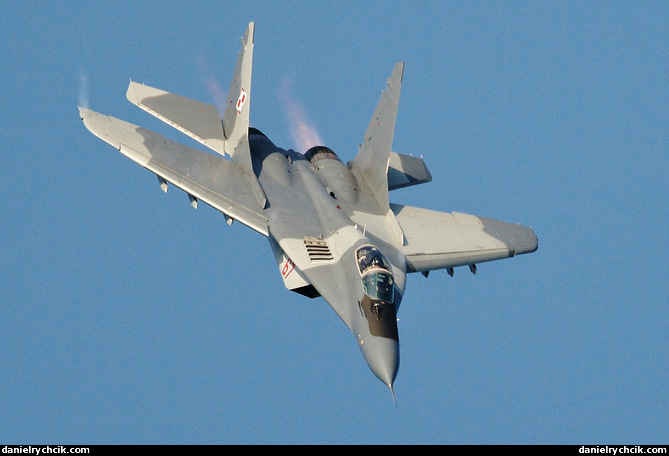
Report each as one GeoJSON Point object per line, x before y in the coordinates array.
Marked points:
{"type": "Point", "coordinates": [287, 268]}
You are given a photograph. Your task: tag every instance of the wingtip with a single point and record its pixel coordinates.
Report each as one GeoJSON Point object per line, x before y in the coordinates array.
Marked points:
{"type": "Point", "coordinates": [83, 112]}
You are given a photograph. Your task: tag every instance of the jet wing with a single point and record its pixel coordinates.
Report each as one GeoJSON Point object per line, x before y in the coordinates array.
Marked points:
{"type": "Point", "coordinates": [439, 240]}
{"type": "Point", "coordinates": [209, 178]}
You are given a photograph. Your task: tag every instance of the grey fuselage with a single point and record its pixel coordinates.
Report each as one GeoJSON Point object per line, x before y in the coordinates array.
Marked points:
{"type": "Point", "coordinates": [316, 197]}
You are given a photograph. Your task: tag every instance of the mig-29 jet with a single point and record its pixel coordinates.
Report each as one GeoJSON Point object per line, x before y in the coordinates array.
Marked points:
{"type": "Point", "coordinates": [330, 225]}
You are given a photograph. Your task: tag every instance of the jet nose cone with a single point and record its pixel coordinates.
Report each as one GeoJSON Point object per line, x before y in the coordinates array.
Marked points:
{"type": "Point", "coordinates": [383, 357]}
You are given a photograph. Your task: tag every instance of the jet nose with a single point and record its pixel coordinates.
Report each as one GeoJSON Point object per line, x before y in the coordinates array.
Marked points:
{"type": "Point", "coordinates": [383, 357]}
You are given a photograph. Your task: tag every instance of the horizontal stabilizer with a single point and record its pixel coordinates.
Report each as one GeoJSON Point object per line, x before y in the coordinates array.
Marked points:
{"type": "Point", "coordinates": [406, 170]}
{"type": "Point", "coordinates": [200, 121]}
{"type": "Point", "coordinates": [205, 177]}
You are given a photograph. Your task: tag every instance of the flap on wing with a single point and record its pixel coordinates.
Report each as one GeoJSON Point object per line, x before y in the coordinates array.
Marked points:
{"type": "Point", "coordinates": [200, 121]}
{"type": "Point", "coordinates": [406, 170]}
{"type": "Point", "coordinates": [438, 240]}
{"type": "Point", "coordinates": [209, 178]}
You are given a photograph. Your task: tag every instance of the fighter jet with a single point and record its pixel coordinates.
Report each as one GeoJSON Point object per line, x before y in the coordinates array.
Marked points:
{"type": "Point", "coordinates": [330, 225]}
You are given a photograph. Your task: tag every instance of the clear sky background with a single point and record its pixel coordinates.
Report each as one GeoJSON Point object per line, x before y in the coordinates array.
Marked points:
{"type": "Point", "coordinates": [128, 317]}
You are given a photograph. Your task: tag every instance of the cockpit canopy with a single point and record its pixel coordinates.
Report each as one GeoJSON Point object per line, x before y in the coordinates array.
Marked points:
{"type": "Point", "coordinates": [370, 257]}
{"type": "Point", "coordinates": [377, 278]}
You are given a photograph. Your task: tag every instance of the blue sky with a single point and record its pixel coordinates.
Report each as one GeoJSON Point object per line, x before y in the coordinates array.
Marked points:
{"type": "Point", "coordinates": [128, 317]}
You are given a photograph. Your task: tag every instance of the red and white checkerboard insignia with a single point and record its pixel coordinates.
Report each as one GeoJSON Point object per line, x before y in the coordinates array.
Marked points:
{"type": "Point", "coordinates": [240, 101]}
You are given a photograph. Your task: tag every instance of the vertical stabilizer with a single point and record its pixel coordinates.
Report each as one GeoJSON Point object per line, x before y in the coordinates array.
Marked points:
{"type": "Point", "coordinates": [374, 154]}
{"type": "Point", "coordinates": [373, 158]}
{"type": "Point", "coordinates": [236, 116]}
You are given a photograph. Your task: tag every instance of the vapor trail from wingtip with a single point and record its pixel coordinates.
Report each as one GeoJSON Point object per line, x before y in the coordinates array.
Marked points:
{"type": "Point", "coordinates": [83, 89]}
